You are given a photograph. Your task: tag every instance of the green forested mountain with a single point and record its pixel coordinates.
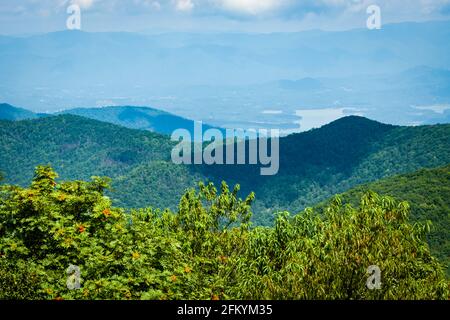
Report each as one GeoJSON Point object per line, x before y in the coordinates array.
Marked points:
{"type": "Point", "coordinates": [78, 146]}
{"type": "Point", "coordinates": [322, 162]}
{"type": "Point", "coordinates": [349, 152]}
{"type": "Point", "coordinates": [313, 165]}
{"type": "Point", "coordinates": [8, 112]}
{"type": "Point", "coordinates": [428, 193]}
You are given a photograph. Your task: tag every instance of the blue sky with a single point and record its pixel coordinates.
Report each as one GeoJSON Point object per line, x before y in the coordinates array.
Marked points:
{"type": "Point", "coordinates": [35, 16]}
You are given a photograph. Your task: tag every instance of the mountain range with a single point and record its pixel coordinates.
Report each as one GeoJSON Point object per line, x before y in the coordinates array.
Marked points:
{"type": "Point", "coordinates": [313, 165]}
{"type": "Point", "coordinates": [143, 118]}
{"type": "Point", "coordinates": [398, 75]}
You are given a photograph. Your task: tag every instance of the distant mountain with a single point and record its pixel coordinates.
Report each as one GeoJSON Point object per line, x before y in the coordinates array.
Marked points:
{"type": "Point", "coordinates": [8, 112]}
{"type": "Point", "coordinates": [313, 165]}
{"type": "Point", "coordinates": [228, 78]}
{"type": "Point", "coordinates": [143, 118]}
{"type": "Point", "coordinates": [428, 193]}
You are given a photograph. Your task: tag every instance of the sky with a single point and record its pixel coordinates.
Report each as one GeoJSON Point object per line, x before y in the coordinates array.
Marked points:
{"type": "Point", "coordinates": [40, 16]}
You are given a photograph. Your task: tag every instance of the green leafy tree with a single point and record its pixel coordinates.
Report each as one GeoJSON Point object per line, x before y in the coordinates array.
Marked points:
{"type": "Point", "coordinates": [207, 249]}
{"type": "Point", "coordinates": [313, 257]}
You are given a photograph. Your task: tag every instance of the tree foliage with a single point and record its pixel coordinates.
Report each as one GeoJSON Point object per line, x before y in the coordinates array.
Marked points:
{"type": "Point", "coordinates": [206, 249]}
{"type": "Point", "coordinates": [428, 193]}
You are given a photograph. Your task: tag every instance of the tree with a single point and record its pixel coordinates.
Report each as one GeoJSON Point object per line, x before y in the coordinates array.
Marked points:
{"type": "Point", "coordinates": [313, 257]}
{"type": "Point", "coordinates": [207, 249]}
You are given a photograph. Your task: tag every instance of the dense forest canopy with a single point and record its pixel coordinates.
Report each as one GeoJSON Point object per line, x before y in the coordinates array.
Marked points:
{"type": "Point", "coordinates": [314, 165]}
{"type": "Point", "coordinates": [207, 248]}
{"type": "Point", "coordinates": [428, 193]}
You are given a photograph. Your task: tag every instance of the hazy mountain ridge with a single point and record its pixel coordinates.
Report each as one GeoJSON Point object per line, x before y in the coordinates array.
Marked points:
{"type": "Point", "coordinates": [225, 79]}
{"type": "Point", "coordinates": [8, 112]}
{"type": "Point", "coordinates": [142, 118]}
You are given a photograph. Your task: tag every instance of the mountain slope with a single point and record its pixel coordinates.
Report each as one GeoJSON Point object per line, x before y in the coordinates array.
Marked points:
{"type": "Point", "coordinates": [337, 157]}
{"type": "Point", "coordinates": [8, 112]}
{"type": "Point", "coordinates": [143, 118]}
{"type": "Point", "coordinates": [77, 146]}
{"type": "Point", "coordinates": [137, 118]}
{"type": "Point", "coordinates": [428, 193]}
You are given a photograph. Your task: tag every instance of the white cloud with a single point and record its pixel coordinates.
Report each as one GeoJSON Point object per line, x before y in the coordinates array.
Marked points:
{"type": "Point", "coordinates": [440, 109]}
{"type": "Point", "coordinates": [249, 7]}
{"type": "Point", "coordinates": [253, 7]}
{"type": "Point", "coordinates": [184, 5]}
{"type": "Point", "coordinates": [84, 4]}
{"type": "Point", "coordinates": [279, 15]}
{"type": "Point", "coordinates": [148, 4]}
{"type": "Point", "coordinates": [156, 5]}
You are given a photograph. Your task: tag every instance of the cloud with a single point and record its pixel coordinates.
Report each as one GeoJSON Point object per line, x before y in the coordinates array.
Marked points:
{"type": "Point", "coordinates": [24, 15]}
{"type": "Point", "coordinates": [252, 7]}
{"type": "Point", "coordinates": [184, 5]}
{"type": "Point", "coordinates": [247, 7]}
{"type": "Point", "coordinates": [155, 5]}
{"type": "Point", "coordinates": [84, 4]}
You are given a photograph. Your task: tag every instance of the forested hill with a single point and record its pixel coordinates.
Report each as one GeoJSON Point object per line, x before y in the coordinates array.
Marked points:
{"type": "Point", "coordinates": [80, 148]}
{"type": "Point", "coordinates": [77, 146]}
{"type": "Point", "coordinates": [343, 154]}
{"type": "Point", "coordinates": [8, 112]}
{"type": "Point", "coordinates": [313, 165]}
{"type": "Point", "coordinates": [428, 193]}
